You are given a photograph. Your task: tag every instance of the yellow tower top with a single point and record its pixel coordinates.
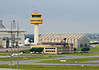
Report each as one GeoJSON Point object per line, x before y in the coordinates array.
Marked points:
{"type": "Point", "coordinates": [36, 18]}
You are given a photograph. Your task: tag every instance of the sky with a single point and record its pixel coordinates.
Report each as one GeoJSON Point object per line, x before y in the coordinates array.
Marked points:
{"type": "Point", "coordinates": [59, 15]}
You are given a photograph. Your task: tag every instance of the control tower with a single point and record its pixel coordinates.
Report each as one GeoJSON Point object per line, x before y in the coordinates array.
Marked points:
{"type": "Point", "coordinates": [36, 20]}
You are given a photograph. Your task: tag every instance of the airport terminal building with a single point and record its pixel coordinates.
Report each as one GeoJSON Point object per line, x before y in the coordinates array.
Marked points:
{"type": "Point", "coordinates": [53, 42]}
{"type": "Point", "coordinates": [9, 38]}
{"type": "Point", "coordinates": [10, 35]}
{"type": "Point", "coordinates": [77, 39]}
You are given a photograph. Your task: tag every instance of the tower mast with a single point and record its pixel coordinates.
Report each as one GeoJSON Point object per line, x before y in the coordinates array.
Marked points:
{"type": "Point", "coordinates": [36, 20]}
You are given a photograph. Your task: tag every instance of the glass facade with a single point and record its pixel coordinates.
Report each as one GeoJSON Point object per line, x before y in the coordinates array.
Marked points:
{"type": "Point", "coordinates": [36, 15]}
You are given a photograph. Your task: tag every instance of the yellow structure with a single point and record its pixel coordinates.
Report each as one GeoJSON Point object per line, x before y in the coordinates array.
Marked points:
{"type": "Point", "coordinates": [54, 49]}
{"type": "Point", "coordinates": [36, 20]}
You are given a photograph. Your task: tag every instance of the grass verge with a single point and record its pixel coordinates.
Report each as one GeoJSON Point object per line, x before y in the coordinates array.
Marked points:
{"type": "Point", "coordinates": [73, 61]}
{"type": "Point", "coordinates": [52, 67]}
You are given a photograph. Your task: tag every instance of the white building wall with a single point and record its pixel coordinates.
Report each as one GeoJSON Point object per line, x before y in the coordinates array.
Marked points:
{"type": "Point", "coordinates": [7, 34]}
{"type": "Point", "coordinates": [74, 38]}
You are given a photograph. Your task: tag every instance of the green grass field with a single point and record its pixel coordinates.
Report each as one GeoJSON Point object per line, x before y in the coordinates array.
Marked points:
{"type": "Point", "coordinates": [52, 67]}
{"type": "Point", "coordinates": [95, 49]}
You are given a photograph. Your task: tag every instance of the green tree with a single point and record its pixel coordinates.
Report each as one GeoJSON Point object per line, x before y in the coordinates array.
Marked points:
{"type": "Point", "coordinates": [30, 40]}
{"type": "Point", "coordinates": [39, 50]}
{"type": "Point", "coordinates": [85, 49]}
{"type": "Point", "coordinates": [33, 50]}
{"type": "Point", "coordinates": [22, 51]}
{"type": "Point", "coordinates": [75, 49]}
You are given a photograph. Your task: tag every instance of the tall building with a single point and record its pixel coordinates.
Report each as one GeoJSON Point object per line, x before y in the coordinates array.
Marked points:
{"type": "Point", "coordinates": [36, 20]}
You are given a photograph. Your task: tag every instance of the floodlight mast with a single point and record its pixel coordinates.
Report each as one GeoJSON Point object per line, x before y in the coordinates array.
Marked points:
{"type": "Point", "coordinates": [11, 50]}
{"type": "Point", "coordinates": [17, 46]}
{"type": "Point", "coordinates": [13, 41]}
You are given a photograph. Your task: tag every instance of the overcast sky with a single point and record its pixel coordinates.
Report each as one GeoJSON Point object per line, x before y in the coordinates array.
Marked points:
{"type": "Point", "coordinates": [59, 15]}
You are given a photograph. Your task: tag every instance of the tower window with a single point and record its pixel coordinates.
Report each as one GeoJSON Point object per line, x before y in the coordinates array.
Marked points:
{"type": "Point", "coordinates": [36, 15]}
{"type": "Point", "coordinates": [36, 20]}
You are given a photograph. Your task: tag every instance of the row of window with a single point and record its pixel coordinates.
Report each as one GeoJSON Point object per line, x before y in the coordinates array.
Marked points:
{"type": "Point", "coordinates": [36, 15]}
{"type": "Point", "coordinates": [49, 48]}
{"type": "Point", "coordinates": [36, 20]}
{"type": "Point", "coordinates": [83, 45]}
{"type": "Point", "coordinates": [50, 51]}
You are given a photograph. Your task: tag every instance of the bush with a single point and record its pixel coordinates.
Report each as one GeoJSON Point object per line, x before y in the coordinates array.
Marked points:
{"type": "Point", "coordinates": [75, 49]}
{"type": "Point", "coordinates": [85, 49]}
{"type": "Point", "coordinates": [22, 51]}
{"type": "Point", "coordinates": [39, 50]}
{"type": "Point", "coordinates": [25, 51]}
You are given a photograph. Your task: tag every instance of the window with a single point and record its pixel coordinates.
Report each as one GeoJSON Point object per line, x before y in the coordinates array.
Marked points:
{"type": "Point", "coordinates": [36, 15]}
{"type": "Point", "coordinates": [49, 48]}
{"type": "Point", "coordinates": [81, 45]}
{"type": "Point", "coordinates": [50, 51]}
{"type": "Point", "coordinates": [86, 45]}
{"type": "Point", "coordinates": [36, 20]}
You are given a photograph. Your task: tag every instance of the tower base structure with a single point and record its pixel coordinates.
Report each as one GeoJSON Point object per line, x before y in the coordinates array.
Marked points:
{"type": "Point", "coordinates": [36, 33]}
